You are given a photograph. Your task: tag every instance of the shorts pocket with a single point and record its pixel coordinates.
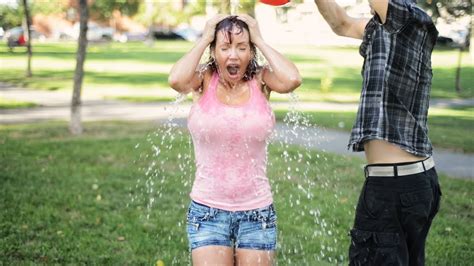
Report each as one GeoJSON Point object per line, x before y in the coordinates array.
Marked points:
{"type": "Point", "coordinates": [267, 217]}
{"type": "Point", "coordinates": [197, 215]}
{"type": "Point", "coordinates": [374, 248]}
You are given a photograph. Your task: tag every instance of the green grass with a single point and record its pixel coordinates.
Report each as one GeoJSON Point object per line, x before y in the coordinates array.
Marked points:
{"type": "Point", "coordinates": [12, 104]}
{"type": "Point", "coordinates": [135, 65]}
{"type": "Point", "coordinates": [448, 128]}
{"type": "Point", "coordinates": [83, 200]}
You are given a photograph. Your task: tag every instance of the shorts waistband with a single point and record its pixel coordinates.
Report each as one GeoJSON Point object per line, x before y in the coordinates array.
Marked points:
{"type": "Point", "coordinates": [203, 206]}
{"type": "Point", "coordinates": [397, 169]}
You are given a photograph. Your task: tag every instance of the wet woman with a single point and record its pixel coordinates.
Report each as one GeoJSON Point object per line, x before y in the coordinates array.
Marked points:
{"type": "Point", "coordinates": [231, 219]}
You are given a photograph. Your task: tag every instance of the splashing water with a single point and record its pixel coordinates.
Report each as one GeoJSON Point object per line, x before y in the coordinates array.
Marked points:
{"type": "Point", "coordinates": [161, 190]}
{"type": "Point", "coordinates": [298, 176]}
{"type": "Point", "coordinates": [305, 169]}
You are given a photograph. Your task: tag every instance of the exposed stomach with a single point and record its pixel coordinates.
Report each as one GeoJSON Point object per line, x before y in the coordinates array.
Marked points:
{"type": "Point", "coordinates": [381, 151]}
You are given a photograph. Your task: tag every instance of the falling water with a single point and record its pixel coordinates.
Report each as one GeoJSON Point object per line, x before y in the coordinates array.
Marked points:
{"type": "Point", "coordinates": [166, 168]}
{"type": "Point", "coordinates": [298, 174]}
{"type": "Point", "coordinates": [306, 169]}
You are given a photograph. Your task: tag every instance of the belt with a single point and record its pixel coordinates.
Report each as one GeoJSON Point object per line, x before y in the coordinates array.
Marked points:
{"type": "Point", "coordinates": [400, 170]}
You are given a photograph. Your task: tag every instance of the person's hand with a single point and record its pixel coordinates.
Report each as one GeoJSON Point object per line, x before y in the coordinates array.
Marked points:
{"type": "Point", "coordinates": [255, 35]}
{"type": "Point", "coordinates": [210, 28]}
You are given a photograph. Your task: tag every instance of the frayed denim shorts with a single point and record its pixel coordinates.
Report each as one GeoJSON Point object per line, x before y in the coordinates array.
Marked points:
{"type": "Point", "coordinates": [253, 229]}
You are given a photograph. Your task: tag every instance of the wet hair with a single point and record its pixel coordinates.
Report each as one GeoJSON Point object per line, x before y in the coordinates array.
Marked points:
{"type": "Point", "coordinates": [227, 27]}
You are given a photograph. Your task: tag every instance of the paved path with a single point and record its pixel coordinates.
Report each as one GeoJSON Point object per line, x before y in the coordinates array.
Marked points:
{"type": "Point", "coordinates": [55, 106]}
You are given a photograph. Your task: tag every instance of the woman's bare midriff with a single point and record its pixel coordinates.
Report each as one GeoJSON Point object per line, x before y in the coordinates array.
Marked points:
{"type": "Point", "coordinates": [381, 151]}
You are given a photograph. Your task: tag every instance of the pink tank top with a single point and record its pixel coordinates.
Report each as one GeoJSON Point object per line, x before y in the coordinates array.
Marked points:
{"type": "Point", "coordinates": [230, 147]}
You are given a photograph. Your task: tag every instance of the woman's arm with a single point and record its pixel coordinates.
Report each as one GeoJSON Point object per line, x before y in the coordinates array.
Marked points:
{"type": "Point", "coordinates": [283, 76]}
{"type": "Point", "coordinates": [184, 76]}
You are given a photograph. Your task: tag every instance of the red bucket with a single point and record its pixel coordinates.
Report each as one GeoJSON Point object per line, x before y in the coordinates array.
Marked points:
{"type": "Point", "coordinates": [275, 2]}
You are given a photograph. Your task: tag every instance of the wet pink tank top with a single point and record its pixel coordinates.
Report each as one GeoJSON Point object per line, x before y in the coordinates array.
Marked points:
{"type": "Point", "coordinates": [230, 148]}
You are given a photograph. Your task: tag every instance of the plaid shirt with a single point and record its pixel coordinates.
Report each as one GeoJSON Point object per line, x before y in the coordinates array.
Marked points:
{"type": "Point", "coordinates": [396, 79]}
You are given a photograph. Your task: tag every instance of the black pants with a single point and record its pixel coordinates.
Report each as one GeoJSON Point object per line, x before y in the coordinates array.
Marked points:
{"type": "Point", "coordinates": [392, 220]}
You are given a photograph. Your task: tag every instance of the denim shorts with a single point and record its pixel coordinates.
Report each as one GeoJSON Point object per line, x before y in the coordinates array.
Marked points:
{"type": "Point", "coordinates": [253, 229]}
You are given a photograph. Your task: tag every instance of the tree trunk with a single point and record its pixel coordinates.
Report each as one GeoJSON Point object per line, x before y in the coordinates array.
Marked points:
{"type": "Point", "coordinates": [225, 7]}
{"type": "Point", "coordinates": [458, 71]}
{"type": "Point", "coordinates": [234, 7]}
{"type": "Point", "coordinates": [75, 126]}
{"type": "Point", "coordinates": [28, 36]}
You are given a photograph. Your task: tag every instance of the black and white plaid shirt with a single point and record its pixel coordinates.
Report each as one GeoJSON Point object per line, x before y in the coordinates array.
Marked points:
{"type": "Point", "coordinates": [396, 79]}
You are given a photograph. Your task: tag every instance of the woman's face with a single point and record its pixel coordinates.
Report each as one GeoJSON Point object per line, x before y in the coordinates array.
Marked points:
{"type": "Point", "coordinates": [232, 54]}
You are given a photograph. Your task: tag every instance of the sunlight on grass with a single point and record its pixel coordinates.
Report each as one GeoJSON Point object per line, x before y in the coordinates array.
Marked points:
{"type": "Point", "coordinates": [137, 65]}
{"type": "Point", "coordinates": [467, 112]}
{"type": "Point", "coordinates": [11, 104]}
{"type": "Point", "coordinates": [67, 200]}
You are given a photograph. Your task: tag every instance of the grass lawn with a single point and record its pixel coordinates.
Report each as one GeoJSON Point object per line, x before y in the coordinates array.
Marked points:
{"type": "Point", "coordinates": [448, 128]}
{"type": "Point", "coordinates": [118, 195]}
{"type": "Point", "coordinates": [11, 104]}
{"type": "Point", "coordinates": [134, 65]}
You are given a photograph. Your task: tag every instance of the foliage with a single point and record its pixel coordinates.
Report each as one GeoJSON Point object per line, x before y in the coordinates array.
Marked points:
{"type": "Point", "coordinates": [103, 10]}
{"type": "Point", "coordinates": [48, 7]}
{"type": "Point", "coordinates": [10, 16]}
{"type": "Point", "coordinates": [455, 8]}
{"type": "Point", "coordinates": [165, 13]}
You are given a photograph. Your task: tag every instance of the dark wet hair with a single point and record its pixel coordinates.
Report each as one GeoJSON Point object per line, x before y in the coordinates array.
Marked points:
{"type": "Point", "coordinates": [227, 26]}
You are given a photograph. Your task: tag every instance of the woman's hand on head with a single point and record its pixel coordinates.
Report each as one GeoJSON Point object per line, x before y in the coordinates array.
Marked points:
{"type": "Point", "coordinates": [210, 28]}
{"type": "Point", "coordinates": [255, 35]}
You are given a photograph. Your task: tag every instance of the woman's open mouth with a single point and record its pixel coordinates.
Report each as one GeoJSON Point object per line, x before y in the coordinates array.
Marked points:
{"type": "Point", "coordinates": [233, 70]}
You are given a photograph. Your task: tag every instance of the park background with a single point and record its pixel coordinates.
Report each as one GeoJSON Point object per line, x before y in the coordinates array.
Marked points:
{"type": "Point", "coordinates": [117, 193]}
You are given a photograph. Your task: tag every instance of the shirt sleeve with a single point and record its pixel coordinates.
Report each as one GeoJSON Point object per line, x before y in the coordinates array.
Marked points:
{"type": "Point", "coordinates": [401, 12]}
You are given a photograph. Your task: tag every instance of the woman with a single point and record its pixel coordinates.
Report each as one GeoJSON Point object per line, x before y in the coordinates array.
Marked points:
{"type": "Point", "coordinates": [231, 219]}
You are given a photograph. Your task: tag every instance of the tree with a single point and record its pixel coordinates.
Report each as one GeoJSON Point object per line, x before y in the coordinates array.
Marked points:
{"type": "Point", "coordinates": [224, 7]}
{"type": "Point", "coordinates": [75, 126]}
{"type": "Point", "coordinates": [450, 10]}
{"type": "Point", "coordinates": [247, 7]}
{"type": "Point", "coordinates": [103, 10]}
{"type": "Point", "coordinates": [10, 16]}
{"type": "Point", "coordinates": [49, 7]}
{"type": "Point", "coordinates": [28, 36]}
{"type": "Point", "coordinates": [455, 8]}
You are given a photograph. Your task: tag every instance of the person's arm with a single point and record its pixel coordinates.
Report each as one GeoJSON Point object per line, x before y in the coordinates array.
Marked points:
{"type": "Point", "coordinates": [283, 76]}
{"type": "Point", "coordinates": [395, 14]}
{"type": "Point", "coordinates": [339, 21]}
{"type": "Point", "coordinates": [380, 7]}
{"type": "Point", "coordinates": [184, 76]}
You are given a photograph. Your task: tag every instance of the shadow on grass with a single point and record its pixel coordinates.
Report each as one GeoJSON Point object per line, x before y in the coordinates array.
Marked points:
{"type": "Point", "coordinates": [61, 194]}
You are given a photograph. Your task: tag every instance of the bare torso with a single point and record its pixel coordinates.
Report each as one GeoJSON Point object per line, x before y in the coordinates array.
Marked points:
{"type": "Point", "coordinates": [380, 151]}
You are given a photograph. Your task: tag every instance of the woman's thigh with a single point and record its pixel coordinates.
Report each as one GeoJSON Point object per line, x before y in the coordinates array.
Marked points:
{"type": "Point", "coordinates": [252, 257]}
{"type": "Point", "coordinates": [213, 255]}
